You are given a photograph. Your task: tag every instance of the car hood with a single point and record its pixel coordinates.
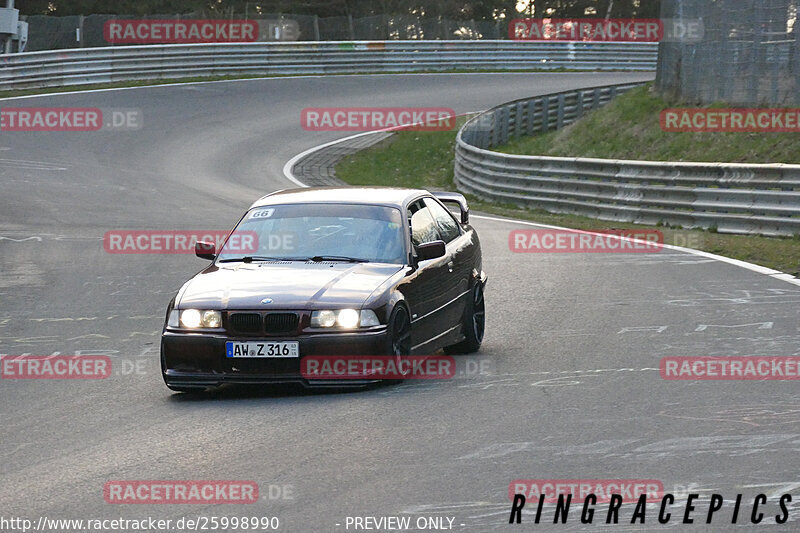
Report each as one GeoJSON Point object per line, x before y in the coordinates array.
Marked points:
{"type": "Point", "coordinates": [288, 285]}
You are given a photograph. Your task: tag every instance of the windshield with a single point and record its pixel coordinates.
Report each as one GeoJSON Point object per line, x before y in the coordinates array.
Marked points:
{"type": "Point", "coordinates": [329, 231]}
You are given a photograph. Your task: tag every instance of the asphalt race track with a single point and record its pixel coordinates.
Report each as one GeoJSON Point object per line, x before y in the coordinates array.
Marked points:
{"type": "Point", "coordinates": [570, 387]}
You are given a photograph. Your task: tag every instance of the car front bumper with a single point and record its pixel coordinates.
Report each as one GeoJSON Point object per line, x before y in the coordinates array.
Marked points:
{"type": "Point", "coordinates": [198, 360]}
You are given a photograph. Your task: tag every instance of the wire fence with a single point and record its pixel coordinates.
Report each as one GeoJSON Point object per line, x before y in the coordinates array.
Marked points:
{"type": "Point", "coordinates": [749, 53]}
{"type": "Point", "coordinates": [51, 33]}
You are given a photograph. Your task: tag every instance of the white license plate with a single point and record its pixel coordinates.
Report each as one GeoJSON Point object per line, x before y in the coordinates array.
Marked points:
{"type": "Point", "coordinates": [262, 349]}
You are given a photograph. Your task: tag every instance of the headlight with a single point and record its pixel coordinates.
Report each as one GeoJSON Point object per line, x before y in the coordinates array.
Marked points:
{"type": "Point", "coordinates": [323, 319]}
{"type": "Point", "coordinates": [347, 318]}
{"type": "Point", "coordinates": [191, 318]}
{"type": "Point", "coordinates": [212, 319]}
{"type": "Point", "coordinates": [344, 318]}
{"type": "Point", "coordinates": [194, 319]}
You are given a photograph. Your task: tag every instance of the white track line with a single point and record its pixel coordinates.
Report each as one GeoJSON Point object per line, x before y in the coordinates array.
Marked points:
{"type": "Point", "coordinates": [301, 76]}
{"type": "Point", "coordinates": [287, 168]}
{"type": "Point", "coordinates": [775, 274]}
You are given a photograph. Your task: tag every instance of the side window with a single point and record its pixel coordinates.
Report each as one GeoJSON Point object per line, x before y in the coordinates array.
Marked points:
{"type": "Point", "coordinates": [423, 226]}
{"type": "Point", "coordinates": [448, 227]}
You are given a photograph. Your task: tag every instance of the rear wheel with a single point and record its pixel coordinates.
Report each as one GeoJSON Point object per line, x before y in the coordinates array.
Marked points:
{"type": "Point", "coordinates": [473, 323]}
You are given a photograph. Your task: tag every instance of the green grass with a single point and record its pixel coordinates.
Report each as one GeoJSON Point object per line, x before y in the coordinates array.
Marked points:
{"type": "Point", "coordinates": [406, 159]}
{"type": "Point", "coordinates": [425, 159]}
{"type": "Point", "coordinates": [629, 128]}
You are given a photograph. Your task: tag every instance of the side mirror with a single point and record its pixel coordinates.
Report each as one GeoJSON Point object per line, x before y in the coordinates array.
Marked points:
{"type": "Point", "coordinates": [431, 250]}
{"type": "Point", "coordinates": [205, 250]}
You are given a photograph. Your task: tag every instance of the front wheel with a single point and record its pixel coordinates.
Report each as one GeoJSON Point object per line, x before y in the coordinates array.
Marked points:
{"type": "Point", "coordinates": [473, 324]}
{"type": "Point", "coordinates": [399, 336]}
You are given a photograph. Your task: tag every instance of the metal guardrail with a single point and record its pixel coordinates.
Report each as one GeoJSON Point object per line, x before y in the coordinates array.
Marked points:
{"type": "Point", "coordinates": [733, 198]}
{"type": "Point", "coordinates": [124, 63]}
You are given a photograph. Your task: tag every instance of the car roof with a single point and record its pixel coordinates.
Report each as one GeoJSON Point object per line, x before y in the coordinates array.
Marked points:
{"type": "Point", "coordinates": [388, 196]}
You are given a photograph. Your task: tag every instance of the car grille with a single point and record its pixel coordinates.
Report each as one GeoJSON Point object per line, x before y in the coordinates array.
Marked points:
{"type": "Point", "coordinates": [280, 322]}
{"type": "Point", "coordinates": [245, 322]}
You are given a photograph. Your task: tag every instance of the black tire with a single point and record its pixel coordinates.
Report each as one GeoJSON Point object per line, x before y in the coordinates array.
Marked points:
{"type": "Point", "coordinates": [473, 324]}
{"type": "Point", "coordinates": [399, 332]}
{"type": "Point", "coordinates": [398, 340]}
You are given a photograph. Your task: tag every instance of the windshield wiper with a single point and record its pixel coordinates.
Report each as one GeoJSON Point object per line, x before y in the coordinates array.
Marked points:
{"type": "Point", "coordinates": [251, 258]}
{"type": "Point", "coordinates": [318, 258]}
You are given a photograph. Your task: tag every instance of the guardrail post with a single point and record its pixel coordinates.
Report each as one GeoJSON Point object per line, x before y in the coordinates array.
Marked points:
{"type": "Point", "coordinates": [506, 113]}
{"type": "Point", "coordinates": [579, 108]}
{"type": "Point", "coordinates": [531, 115]}
{"type": "Point", "coordinates": [545, 114]}
{"type": "Point", "coordinates": [495, 140]}
{"type": "Point", "coordinates": [81, 39]}
{"type": "Point", "coordinates": [518, 116]}
{"type": "Point", "coordinates": [560, 116]}
{"type": "Point", "coordinates": [596, 98]}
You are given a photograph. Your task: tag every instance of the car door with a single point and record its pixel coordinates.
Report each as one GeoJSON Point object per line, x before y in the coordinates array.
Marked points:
{"type": "Point", "coordinates": [461, 254]}
{"type": "Point", "coordinates": [423, 289]}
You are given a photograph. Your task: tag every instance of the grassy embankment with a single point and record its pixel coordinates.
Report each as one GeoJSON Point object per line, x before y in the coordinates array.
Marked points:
{"type": "Point", "coordinates": [627, 128]}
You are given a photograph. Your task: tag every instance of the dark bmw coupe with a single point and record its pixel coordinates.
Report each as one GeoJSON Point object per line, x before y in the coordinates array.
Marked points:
{"type": "Point", "coordinates": [327, 271]}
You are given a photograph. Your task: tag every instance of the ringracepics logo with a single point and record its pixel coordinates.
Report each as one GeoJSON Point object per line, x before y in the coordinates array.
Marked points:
{"type": "Point", "coordinates": [55, 366]}
{"type": "Point", "coordinates": [730, 368]}
{"type": "Point", "coordinates": [633, 241]}
{"type": "Point", "coordinates": [131, 31]}
{"type": "Point", "coordinates": [753, 511]}
{"type": "Point", "coordinates": [176, 241]}
{"type": "Point", "coordinates": [730, 120]}
{"type": "Point", "coordinates": [180, 492]}
{"type": "Point", "coordinates": [378, 118]}
{"type": "Point", "coordinates": [378, 367]}
{"type": "Point", "coordinates": [686, 513]}
{"type": "Point", "coordinates": [68, 119]}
